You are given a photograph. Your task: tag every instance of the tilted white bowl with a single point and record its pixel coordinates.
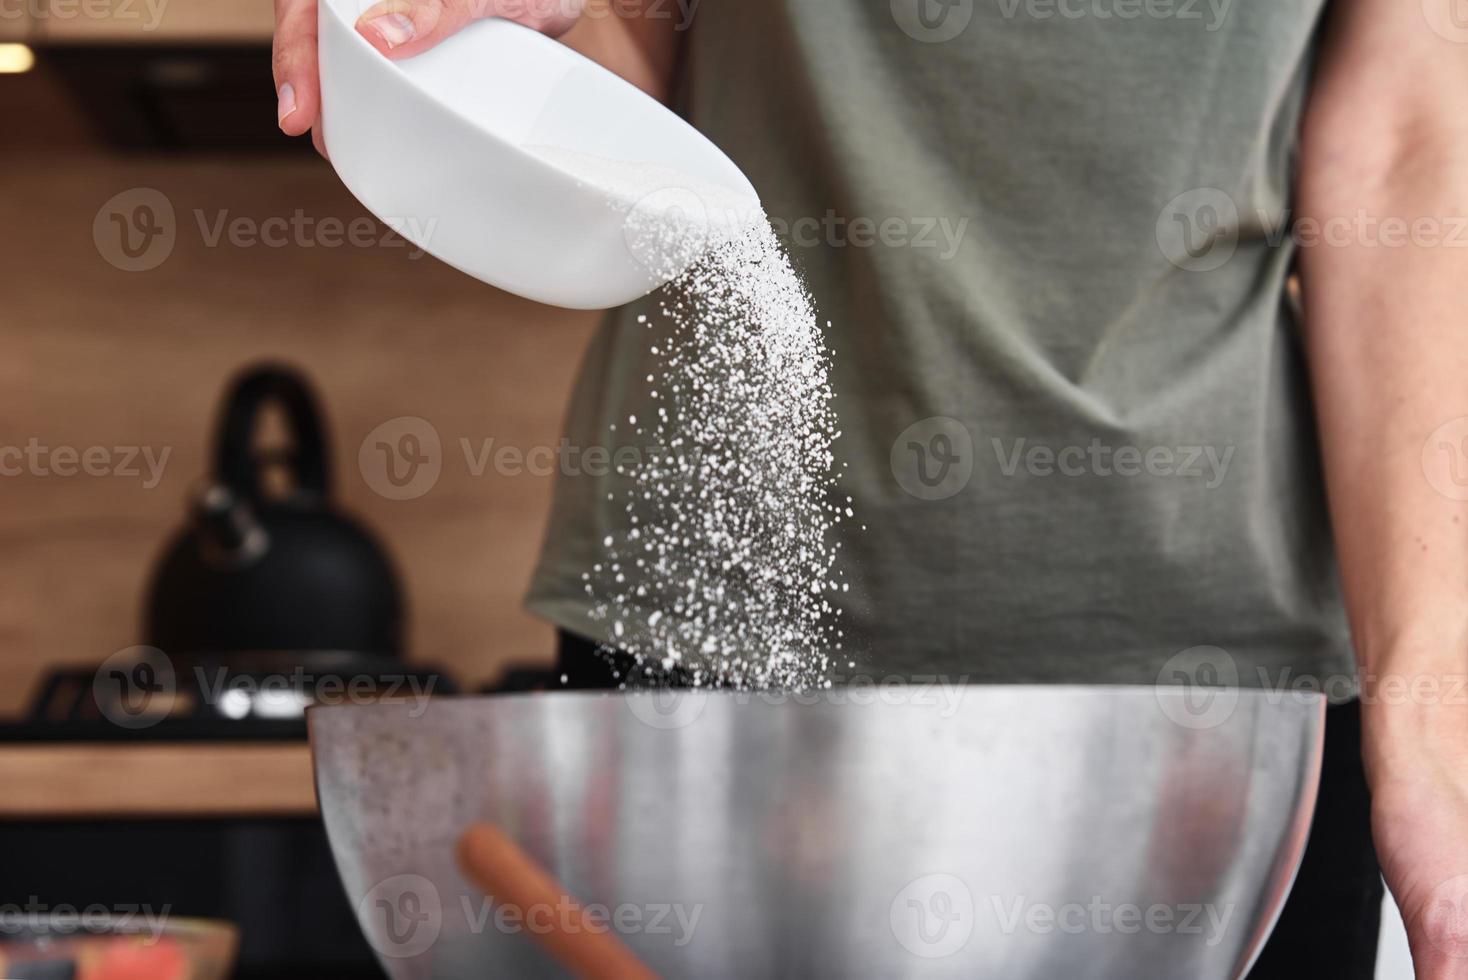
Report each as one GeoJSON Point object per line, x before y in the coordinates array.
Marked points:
{"type": "Point", "coordinates": [463, 149]}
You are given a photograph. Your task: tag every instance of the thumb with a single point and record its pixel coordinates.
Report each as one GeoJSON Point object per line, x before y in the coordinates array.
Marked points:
{"type": "Point", "coordinates": [403, 28]}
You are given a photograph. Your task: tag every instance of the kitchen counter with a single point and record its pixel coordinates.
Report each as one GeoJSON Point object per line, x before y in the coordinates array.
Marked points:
{"type": "Point", "coordinates": [174, 779]}
{"type": "Point", "coordinates": [214, 829]}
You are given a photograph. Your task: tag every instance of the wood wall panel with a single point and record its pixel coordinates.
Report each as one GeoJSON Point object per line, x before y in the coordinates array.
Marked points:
{"type": "Point", "coordinates": [96, 356]}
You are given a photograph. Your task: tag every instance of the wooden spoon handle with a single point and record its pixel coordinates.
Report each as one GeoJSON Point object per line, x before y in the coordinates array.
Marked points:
{"type": "Point", "coordinates": [509, 876]}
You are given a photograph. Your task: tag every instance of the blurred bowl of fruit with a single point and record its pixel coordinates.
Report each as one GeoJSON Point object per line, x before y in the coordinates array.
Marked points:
{"type": "Point", "coordinates": [87, 946]}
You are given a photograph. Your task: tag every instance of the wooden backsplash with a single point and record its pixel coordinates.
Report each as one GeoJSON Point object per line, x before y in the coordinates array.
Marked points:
{"type": "Point", "coordinates": [95, 356]}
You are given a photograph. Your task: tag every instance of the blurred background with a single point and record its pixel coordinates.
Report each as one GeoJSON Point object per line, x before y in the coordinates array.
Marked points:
{"type": "Point", "coordinates": [263, 256]}
{"type": "Point", "coordinates": [164, 241]}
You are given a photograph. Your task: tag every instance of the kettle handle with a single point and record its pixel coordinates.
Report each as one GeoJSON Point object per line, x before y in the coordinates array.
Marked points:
{"type": "Point", "coordinates": [236, 466]}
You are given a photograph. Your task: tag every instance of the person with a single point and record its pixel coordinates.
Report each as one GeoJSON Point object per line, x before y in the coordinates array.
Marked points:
{"type": "Point", "coordinates": [1087, 421]}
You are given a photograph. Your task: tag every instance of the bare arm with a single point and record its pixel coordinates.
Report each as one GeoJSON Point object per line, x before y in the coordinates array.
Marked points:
{"type": "Point", "coordinates": [1384, 192]}
{"type": "Point", "coordinates": [639, 45]}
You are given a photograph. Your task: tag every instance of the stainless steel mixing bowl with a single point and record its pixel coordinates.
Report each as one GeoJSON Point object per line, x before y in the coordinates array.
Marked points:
{"type": "Point", "coordinates": [1013, 832]}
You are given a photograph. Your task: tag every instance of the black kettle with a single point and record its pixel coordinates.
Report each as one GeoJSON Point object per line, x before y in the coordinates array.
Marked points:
{"type": "Point", "coordinates": [263, 570]}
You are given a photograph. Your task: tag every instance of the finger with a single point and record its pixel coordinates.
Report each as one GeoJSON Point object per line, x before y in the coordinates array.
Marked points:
{"type": "Point", "coordinates": [294, 63]}
{"type": "Point", "coordinates": [403, 28]}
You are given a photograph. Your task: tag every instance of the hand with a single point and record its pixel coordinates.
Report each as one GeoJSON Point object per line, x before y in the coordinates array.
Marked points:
{"type": "Point", "coordinates": [397, 28]}
{"type": "Point", "coordinates": [1417, 761]}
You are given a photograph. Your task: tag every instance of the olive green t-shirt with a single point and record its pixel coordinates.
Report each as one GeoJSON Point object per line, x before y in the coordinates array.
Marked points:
{"type": "Point", "coordinates": [1052, 239]}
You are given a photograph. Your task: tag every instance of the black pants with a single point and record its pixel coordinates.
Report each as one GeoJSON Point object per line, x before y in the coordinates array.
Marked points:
{"type": "Point", "coordinates": [1329, 925]}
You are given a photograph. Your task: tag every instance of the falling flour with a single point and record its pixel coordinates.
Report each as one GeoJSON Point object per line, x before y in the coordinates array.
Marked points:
{"type": "Point", "coordinates": [723, 567]}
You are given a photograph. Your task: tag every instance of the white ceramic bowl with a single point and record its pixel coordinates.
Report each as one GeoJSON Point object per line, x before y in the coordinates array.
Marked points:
{"type": "Point", "coordinates": [463, 151]}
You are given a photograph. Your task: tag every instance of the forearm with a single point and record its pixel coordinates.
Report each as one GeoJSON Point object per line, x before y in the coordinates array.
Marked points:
{"type": "Point", "coordinates": [1387, 336]}
{"type": "Point", "coordinates": [1386, 310]}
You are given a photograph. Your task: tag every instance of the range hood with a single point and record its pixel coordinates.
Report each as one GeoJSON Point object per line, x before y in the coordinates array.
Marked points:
{"type": "Point", "coordinates": [163, 74]}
